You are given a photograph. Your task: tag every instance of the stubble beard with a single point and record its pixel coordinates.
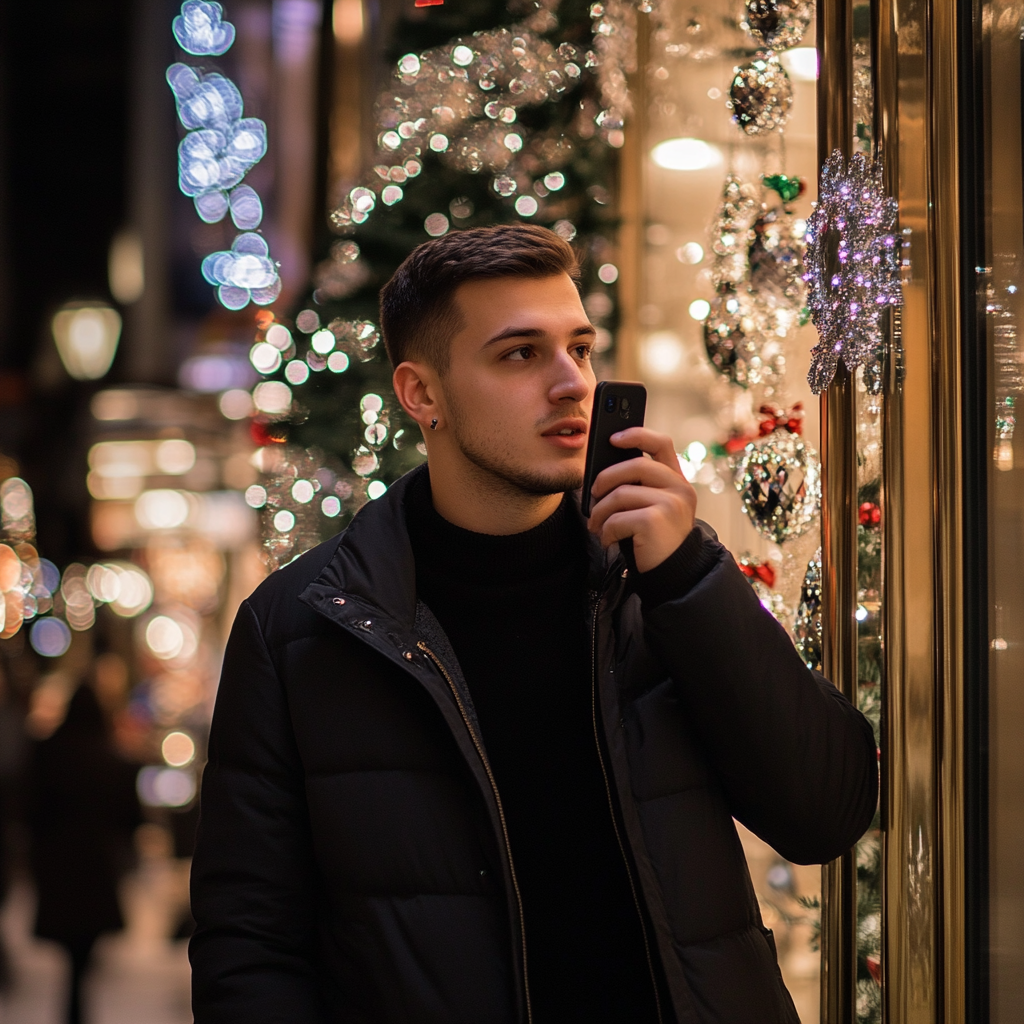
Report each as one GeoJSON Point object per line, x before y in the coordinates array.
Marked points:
{"type": "Point", "coordinates": [498, 464]}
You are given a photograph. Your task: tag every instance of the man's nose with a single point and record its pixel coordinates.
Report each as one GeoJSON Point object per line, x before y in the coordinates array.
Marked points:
{"type": "Point", "coordinates": [570, 380]}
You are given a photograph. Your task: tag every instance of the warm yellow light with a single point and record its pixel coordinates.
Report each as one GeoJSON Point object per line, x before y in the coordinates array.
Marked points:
{"type": "Point", "coordinates": [685, 155]}
{"type": "Point", "coordinates": [161, 509]}
{"type": "Point", "coordinates": [87, 337]}
{"type": "Point", "coordinates": [801, 63]}
{"type": "Point", "coordinates": [347, 18]}
{"type": "Point", "coordinates": [125, 268]}
{"type": "Point", "coordinates": [178, 749]}
{"type": "Point", "coordinates": [662, 353]}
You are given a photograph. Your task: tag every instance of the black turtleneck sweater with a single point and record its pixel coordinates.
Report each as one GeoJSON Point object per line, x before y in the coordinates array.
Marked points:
{"type": "Point", "coordinates": [515, 609]}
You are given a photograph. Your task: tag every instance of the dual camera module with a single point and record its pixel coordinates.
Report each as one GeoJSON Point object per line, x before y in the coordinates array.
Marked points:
{"type": "Point", "coordinates": [611, 401]}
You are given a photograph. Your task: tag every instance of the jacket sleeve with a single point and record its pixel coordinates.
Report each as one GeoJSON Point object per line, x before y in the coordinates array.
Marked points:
{"type": "Point", "coordinates": [253, 875]}
{"type": "Point", "coordinates": [796, 760]}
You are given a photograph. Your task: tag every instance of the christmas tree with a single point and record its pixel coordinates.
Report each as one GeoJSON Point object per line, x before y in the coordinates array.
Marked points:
{"type": "Point", "coordinates": [518, 121]}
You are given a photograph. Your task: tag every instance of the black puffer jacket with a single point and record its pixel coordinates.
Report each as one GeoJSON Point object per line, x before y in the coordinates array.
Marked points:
{"type": "Point", "coordinates": [352, 863]}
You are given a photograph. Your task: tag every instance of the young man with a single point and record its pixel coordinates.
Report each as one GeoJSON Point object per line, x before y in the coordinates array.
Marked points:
{"type": "Point", "coordinates": [470, 764]}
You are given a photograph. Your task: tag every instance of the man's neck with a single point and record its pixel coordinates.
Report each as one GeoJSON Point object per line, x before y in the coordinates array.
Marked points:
{"type": "Point", "coordinates": [477, 500]}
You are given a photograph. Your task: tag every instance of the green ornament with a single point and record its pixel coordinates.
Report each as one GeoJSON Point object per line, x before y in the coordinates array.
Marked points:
{"type": "Point", "coordinates": [788, 188]}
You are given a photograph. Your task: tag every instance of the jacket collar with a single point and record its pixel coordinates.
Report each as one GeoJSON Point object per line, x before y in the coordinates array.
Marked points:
{"type": "Point", "coordinates": [374, 564]}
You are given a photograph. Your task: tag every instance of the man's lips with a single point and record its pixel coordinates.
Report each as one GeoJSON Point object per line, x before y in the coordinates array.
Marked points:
{"type": "Point", "coordinates": [575, 440]}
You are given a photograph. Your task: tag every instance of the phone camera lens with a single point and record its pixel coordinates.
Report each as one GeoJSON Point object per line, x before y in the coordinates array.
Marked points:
{"type": "Point", "coordinates": [625, 405]}
{"type": "Point", "coordinates": [609, 404]}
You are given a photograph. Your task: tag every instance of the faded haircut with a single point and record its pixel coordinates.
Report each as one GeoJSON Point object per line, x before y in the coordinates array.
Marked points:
{"type": "Point", "coordinates": [418, 313]}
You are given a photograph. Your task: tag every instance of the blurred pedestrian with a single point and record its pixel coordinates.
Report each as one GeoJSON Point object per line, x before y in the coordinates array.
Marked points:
{"type": "Point", "coordinates": [82, 812]}
{"type": "Point", "coordinates": [12, 756]}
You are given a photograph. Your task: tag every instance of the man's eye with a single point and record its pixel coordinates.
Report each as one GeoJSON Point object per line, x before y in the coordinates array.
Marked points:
{"type": "Point", "coordinates": [519, 354]}
{"type": "Point", "coordinates": [584, 351]}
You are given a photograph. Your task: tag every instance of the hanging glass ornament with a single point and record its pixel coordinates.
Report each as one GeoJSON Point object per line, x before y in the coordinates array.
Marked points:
{"type": "Point", "coordinates": [852, 269]}
{"type": "Point", "coordinates": [730, 230]}
{"type": "Point", "coordinates": [761, 95]}
{"type": "Point", "coordinates": [807, 625]}
{"type": "Point", "coordinates": [779, 480]}
{"type": "Point", "coordinates": [762, 580]}
{"type": "Point", "coordinates": [775, 257]}
{"type": "Point", "coordinates": [733, 339]}
{"type": "Point", "coordinates": [777, 24]}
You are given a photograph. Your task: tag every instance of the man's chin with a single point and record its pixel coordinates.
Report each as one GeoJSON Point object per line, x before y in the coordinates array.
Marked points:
{"type": "Point", "coordinates": [535, 480]}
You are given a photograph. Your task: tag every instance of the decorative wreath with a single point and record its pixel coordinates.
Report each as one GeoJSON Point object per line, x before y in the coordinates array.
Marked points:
{"type": "Point", "coordinates": [851, 267]}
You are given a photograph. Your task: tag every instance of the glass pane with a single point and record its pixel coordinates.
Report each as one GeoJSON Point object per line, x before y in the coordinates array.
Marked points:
{"type": "Point", "coordinates": [999, 299]}
{"type": "Point", "coordinates": [870, 675]}
{"type": "Point", "coordinates": [723, 350]}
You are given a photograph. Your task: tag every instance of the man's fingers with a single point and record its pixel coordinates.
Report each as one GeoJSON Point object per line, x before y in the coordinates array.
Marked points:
{"type": "Point", "coordinates": [635, 471]}
{"type": "Point", "coordinates": [659, 446]}
{"type": "Point", "coordinates": [625, 498]}
{"type": "Point", "coordinates": [621, 525]}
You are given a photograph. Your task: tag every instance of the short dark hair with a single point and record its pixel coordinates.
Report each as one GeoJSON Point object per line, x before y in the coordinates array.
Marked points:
{"type": "Point", "coordinates": [418, 315]}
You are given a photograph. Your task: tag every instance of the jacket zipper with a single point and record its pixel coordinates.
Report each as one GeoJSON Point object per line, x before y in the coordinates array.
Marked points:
{"type": "Point", "coordinates": [595, 598]}
{"type": "Point", "coordinates": [501, 813]}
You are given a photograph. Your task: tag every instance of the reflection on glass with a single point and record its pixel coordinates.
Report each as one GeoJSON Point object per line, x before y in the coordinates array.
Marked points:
{"type": "Point", "coordinates": [998, 285]}
{"type": "Point", "coordinates": [723, 346]}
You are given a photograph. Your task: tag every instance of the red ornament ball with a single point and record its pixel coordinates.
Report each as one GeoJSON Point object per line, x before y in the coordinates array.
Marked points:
{"type": "Point", "coordinates": [869, 514]}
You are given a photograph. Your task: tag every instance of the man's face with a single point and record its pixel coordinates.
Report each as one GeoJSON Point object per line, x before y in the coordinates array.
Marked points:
{"type": "Point", "coordinates": [520, 385]}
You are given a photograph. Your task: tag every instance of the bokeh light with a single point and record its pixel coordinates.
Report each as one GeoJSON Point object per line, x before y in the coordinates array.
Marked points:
{"type": "Point", "coordinates": [272, 396]}
{"type": "Point", "coordinates": [50, 637]}
{"type": "Point", "coordinates": [161, 509]}
{"type": "Point", "coordinates": [200, 29]}
{"type": "Point", "coordinates": [235, 404]}
{"type": "Point", "coordinates": [86, 336]}
{"type": "Point", "coordinates": [165, 787]}
{"type": "Point", "coordinates": [178, 749]}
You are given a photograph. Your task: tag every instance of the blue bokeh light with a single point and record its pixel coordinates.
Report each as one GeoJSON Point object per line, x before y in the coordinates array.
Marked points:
{"type": "Point", "coordinates": [201, 30]}
{"type": "Point", "coordinates": [246, 208]}
{"type": "Point", "coordinates": [207, 101]}
{"type": "Point", "coordinates": [243, 272]}
{"type": "Point", "coordinates": [211, 160]}
{"type": "Point", "coordinates": [211, 206]}
{"type": "Point", "coordinates": [49, 637]}
{"type": "Point", "coordinates": [221, 147]}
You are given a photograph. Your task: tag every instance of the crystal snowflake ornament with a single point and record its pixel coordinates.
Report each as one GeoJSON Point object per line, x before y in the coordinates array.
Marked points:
{"type": "Point", "coordinates": [851, 269]}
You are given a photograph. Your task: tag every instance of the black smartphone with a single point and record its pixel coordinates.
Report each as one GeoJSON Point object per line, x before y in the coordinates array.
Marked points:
{"type": "Point", "coordinates": [617, 404]}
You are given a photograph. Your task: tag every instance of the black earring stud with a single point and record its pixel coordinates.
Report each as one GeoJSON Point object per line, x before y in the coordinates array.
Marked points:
{"type": "Point", "coordinates": [433, 424]}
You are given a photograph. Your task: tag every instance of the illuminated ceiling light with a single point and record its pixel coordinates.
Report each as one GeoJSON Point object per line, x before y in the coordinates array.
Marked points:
{"type": "Point", "coordinates": [126, 268]}
{"type": "Point", "coordinates": [347, 21]}
{"type": "Point", "coordinates": [86, 335]}
{"type": "Point", "coordinates": [685, 155]}
{"type": "Point", "coordinates": [801, 63]}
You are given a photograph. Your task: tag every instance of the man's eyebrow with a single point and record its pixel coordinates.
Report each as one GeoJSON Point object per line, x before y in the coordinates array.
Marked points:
{"type": "Point", "coordinates": [535, 332]}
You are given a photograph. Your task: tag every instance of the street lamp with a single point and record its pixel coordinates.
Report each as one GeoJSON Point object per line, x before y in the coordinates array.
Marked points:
{"type": "Point", "coordinates": [86, 334]}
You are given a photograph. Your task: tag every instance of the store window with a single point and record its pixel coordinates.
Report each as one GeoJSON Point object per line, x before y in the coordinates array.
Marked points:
{"type": "Point", "coordinates": [724, 147]}
{"type": "Point", "coordinates": [998, 300]}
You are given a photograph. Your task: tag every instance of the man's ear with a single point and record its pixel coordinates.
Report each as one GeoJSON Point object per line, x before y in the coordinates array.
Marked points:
{"type": "Point", "coordinates": [418, 389]}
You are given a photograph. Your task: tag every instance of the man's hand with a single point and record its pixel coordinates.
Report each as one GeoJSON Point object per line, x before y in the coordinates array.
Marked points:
{"type": "Point", "coordinates": [647, 499]}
